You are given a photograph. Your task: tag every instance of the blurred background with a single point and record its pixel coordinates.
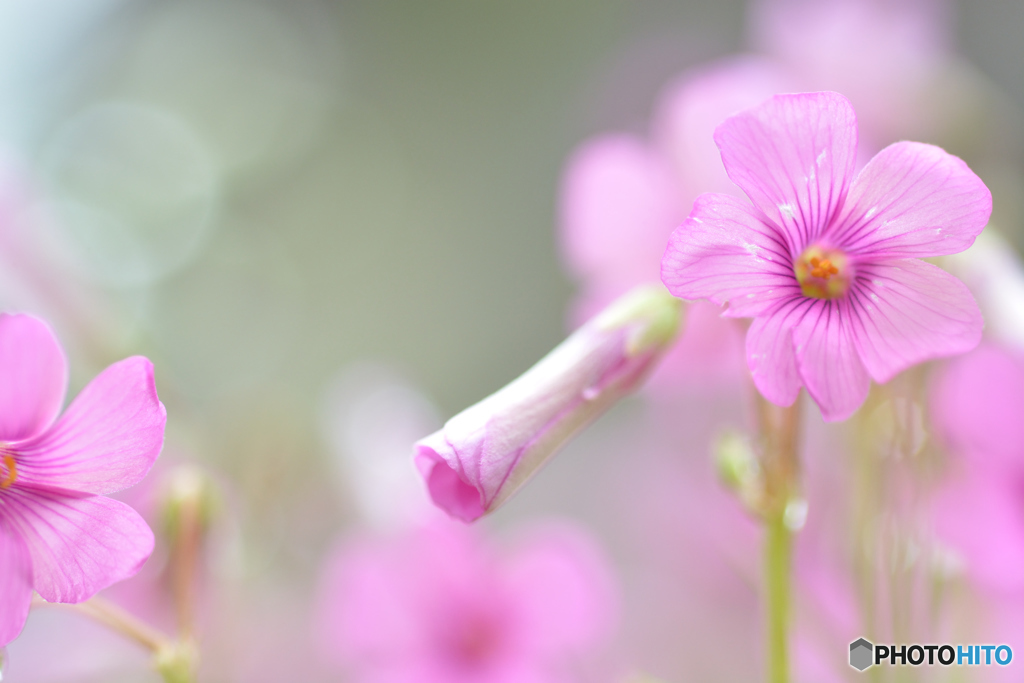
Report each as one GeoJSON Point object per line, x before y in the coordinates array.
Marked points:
{"type": "Point", "coordinates": [287, 203]}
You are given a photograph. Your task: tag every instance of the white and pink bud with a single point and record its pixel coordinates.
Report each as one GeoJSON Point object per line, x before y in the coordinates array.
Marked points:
{"type": "Point", "coordinates": [487, 452]}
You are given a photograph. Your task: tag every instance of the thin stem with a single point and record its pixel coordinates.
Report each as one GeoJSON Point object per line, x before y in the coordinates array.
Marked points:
{"type": "Point", "coordinates": [778, 544]}
{"type": "Point", "coordinates": [116, 619]}
{"type": "Point", "coordinates": [175, 660]}
{"type": "Point", "coordinates": [183, 567]}
{"type": "Point", "coordinates": [780, 428]}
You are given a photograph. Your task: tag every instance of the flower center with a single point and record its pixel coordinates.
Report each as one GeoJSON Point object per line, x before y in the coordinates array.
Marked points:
{"type": "Point", "coordinates": [823, 273]}
{"type": "Point", "coordinates": [475, 641]}
{"type": "Point", "coordinates": [12, 471]}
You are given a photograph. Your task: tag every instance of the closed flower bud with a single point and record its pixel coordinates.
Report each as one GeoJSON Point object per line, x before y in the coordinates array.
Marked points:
{"type": "Point", "coordinates": [487, 452]}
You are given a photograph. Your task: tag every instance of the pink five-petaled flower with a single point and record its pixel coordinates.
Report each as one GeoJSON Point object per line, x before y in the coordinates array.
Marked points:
{"type": "Point", "coordinates": [58, 534]}
{"type": "Point", "coordinates": [826, 263]}
{"type": "Point", "coordinates": [441, 604]}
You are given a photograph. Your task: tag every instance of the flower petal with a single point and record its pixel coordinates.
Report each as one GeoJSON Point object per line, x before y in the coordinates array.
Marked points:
{"type": "Point", "coordinates": [827, 357]}
{"type": "Point", "coordinates": [33, 377]}
{"type": "Point", "coordinates": [619, 204]}
{"type": "Point", "coordinates": [794, 156]}
{"type": "Point", "coordinates": [976, 401]}
{"type": "Point", "coordinates": [912, 199]}
{"type": "Point", "coordinates": [727, 251]}
{"type": "Point", "coordinates": [562, 590]}
{"type": "Point", "coordinates": [908, 311]}
{"type": "Point", "coordinates": [79, 545]}
{"type": "Point", "coordinates": [770, 353]}
{"type": "Point", "coordinates": [692, 106]}
{"type": "Point", "coordinates": [15, 584]}
{"type": "Point", "coordinates": [107, 439]}
{"type": "Point", "coordinates": [977, 512]}
{"type": "Point", "coordinates": [440, 465]}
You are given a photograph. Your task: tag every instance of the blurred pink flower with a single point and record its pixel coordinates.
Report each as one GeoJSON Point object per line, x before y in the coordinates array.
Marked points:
{"type": "Point", "coordinates": [695, 103]}
{"type": "Point", "coordinates": [58, 534]}
{"type": "Point", "coordinates": [484, 454]}
{"type": "Point", "coordinates": [439, 605]}
{"type": "Point", "coordinates": [885, 56]}
{"type": "Point", "coordinates": [975, 403]}
{"type": "Point", "coordinates": [825, 263]}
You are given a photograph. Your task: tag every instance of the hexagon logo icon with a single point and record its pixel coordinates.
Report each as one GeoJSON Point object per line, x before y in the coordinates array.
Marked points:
{"type": "Point", "coordinates": [861, 651]}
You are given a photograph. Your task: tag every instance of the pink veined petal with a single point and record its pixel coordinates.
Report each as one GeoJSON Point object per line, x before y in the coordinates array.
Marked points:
{"type": "Point", "coordinates": [33, 377]}
{"type": "Point", "coordinates": [619, 203]}
{"type": "Point", "coordinates": [794, 157]}
{"type": "Point", "coordinates": [770, 353]}
{"type": "Point", "coordinates": [78, 545]}
{"type": "Point", "coordinates": [108, 438]}
{"type": "Point", "coordinates": [912, 200]}
{"type": "Point", "coordinates": [15, 584]}
{"type": "Point", "coordinates": [726, 251]}
{"type": "Point", "coordinates": [907, 311]}
{"type": "Point", "coordinates": [828, 362]}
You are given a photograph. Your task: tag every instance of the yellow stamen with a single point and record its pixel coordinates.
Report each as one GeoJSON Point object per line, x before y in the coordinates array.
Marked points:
{"type": "Point", "coordinates": [12, 472]}
{"type": "Point", "coordinates": [823, 272]}
{"type": "Point", "coordinates": [823, 268]}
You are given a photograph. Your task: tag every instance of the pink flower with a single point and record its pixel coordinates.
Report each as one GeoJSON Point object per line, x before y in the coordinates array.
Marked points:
{"type": "Point", "coordinates": [827, 264]}
{"type": "Point", "coordinates": [487, 452]}
{"type": "Point", "coordinates": [440, 605]}
{"type": "Point", "coordinates": [58, 534]}
{"type": "Point", "coordinates": [622, 194]}
{"type": "Point", "coordinates": [975, 403]}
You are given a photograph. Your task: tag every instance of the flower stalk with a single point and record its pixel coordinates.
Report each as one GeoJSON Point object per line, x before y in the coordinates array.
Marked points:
{"type": "Point", "coordinates": [783, 511]}
{"type": "Point", "coordinates": [190, 502]}
{"type": "Point", "coordinates": [173, 659]}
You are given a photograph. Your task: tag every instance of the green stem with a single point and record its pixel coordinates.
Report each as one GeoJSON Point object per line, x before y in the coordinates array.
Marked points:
{"type": "Point", "coordinates": [780, 428]}
{"type": "Point", "coordinates": [778, 544]}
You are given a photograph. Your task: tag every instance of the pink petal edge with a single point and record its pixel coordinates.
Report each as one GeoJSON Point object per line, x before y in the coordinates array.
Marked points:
{"type": "Point", "coordinates": [78, 545]}
{"type": "Point", "coordinates": [107, 440]}
{"type": "Point", "coordinates": [15, 584]}
{"type": "Point", "coordinates": [440, 467]}
{"type": "Point", "coordinates": [909, 311]}
{"type": "Point", "coordinates": [33, 376]}
{"type": "Point", "coordinates": [912, 200]}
